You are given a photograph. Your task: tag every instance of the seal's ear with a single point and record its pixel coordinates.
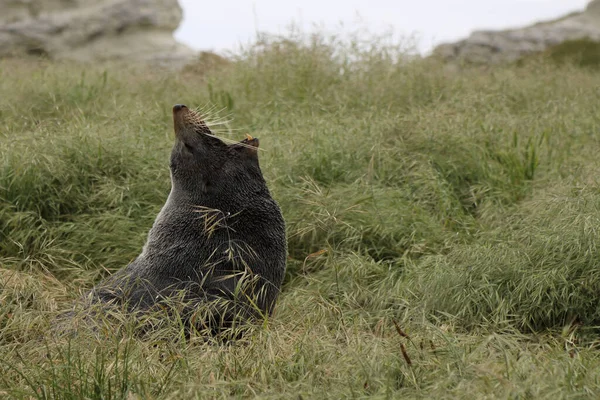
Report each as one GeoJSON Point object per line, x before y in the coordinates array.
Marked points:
{"type": "Point", "coordinates": [248, 147]}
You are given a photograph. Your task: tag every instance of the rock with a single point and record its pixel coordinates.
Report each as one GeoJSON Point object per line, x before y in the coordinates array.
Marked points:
{"type": "Point", "coordinates": [510, 45]}
{"type": "Point", "coordinates": [89, 30]}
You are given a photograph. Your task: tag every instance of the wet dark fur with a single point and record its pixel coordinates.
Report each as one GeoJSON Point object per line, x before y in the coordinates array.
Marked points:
{"type": "Point", "coordinates": [219, 229]}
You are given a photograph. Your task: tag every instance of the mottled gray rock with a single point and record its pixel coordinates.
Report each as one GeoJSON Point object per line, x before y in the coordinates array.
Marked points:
{"type": "Point", "coordinates": [90, 30]}
{"type": "Point", "coordinates": [510, 45]}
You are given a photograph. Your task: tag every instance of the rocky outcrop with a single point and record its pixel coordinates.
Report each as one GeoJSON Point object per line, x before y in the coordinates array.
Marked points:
{"type": "Point", "coordinates": [510, 45]}
{"type": "Point", "coordinates": [91, 30]}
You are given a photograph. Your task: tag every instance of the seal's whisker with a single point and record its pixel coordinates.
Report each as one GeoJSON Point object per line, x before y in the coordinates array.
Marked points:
{"type": "Point", "coordinates": [226, 129]}
{"type": "Point", "coordinates": [211, 110]}
{"type": "Point", "coordinates": [217, 122]}
{"type": "Point", "coordinates": [233, 141]}
{"type": "Point", "coordinates": [217, 116]}
{"type": "Point", "coordinates": [207, 108]}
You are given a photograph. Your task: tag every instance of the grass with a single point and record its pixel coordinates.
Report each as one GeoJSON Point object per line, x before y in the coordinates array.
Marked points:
{"type": "Point", "coordinates": [582, 52]}
{"type": "Point", "coordinates": [443, 225]}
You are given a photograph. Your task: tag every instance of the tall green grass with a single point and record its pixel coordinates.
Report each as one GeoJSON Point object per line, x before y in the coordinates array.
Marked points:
{"type": "Point", "coordinates": [461, 206]}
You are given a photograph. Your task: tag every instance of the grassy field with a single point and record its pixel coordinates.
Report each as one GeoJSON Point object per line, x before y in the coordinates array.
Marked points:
{"type": "Point", "coordinates": [443, 225]}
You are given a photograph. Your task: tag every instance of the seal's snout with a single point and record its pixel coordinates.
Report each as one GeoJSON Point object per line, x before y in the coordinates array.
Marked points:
{"type": "Point", "coordinates": [178, 107]}
{"type": "Point", "coordinates": [187, 120]}
{"type": "Point", "coordinates": [180, 115]}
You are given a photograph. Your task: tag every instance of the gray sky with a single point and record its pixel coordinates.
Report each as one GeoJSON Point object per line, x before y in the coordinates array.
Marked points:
{"type": "Point", "coordinates": [222, 25]}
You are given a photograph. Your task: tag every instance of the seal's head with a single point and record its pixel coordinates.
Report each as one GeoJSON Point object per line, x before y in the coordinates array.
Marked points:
{"type": "Point", "coordinates": [201, 162]}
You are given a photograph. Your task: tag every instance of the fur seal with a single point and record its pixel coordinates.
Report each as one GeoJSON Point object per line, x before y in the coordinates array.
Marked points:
{"type": "Point", "coordinates": [219, 238]}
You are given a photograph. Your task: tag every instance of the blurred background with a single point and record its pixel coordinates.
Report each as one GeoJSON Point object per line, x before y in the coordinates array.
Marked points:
{"type": "Point", "coordinates": [221, 26]}
{"type": "Point", "coordinates": [172, 32]}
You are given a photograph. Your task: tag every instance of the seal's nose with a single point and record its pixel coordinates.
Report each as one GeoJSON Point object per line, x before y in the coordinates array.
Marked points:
{"type": "Point", "coordinates": [178, 107]}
